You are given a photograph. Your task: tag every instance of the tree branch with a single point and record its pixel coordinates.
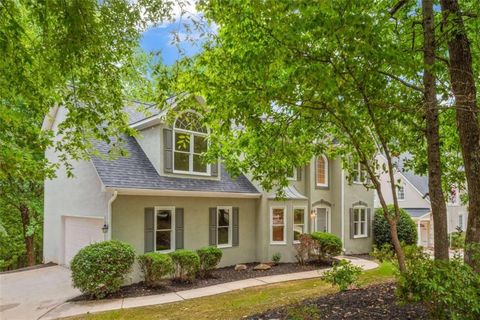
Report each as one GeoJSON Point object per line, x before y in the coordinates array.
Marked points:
{"type": "Point", "coordinates": [406, 83]}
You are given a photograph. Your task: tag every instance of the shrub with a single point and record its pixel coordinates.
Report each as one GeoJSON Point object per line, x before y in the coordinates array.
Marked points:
{"type": "Point", "coordinates": [209, 258]}
{"type": "Point", "coordinates": [277, 256]}
{"type": "Point", "coordinates": [328, 244]}
{"type": "Point", "coordinates": [457, 239]}
{"type": "Point", "coordinates": [343, 274]}
{"type": "Point", "coordinates": [449, 289]}
{"type": "Point", "coordinates": [406, 228]}
{"type": "Point", "coordinates": [305, 246]}
{"type": "Point", "coordinates": [155, 266]}
{"type": "Point", "coordinates": [384, 253]}
{"type": "Point", "coordinates": [100, 268]}
{"type": "Point", "coordinates": [186, 263]}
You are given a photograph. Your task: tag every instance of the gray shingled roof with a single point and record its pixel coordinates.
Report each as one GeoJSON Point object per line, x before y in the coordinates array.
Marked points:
{"type": "Point", "coordinates": [137, 172]}
{"type": "Point", "coordinates": [138, 111]}
{"type": "Point", "coordinates": [417, 212]}
{"type": "Point", "coordinates": [418, 181]}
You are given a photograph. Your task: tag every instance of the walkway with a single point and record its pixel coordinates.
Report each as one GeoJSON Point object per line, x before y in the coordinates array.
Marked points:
{"type": "Point", "coordinates": [68, 309]}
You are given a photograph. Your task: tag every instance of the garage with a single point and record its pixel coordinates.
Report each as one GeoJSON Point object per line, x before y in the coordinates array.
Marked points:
{"type": "Point", "coordinates": [80, 232]}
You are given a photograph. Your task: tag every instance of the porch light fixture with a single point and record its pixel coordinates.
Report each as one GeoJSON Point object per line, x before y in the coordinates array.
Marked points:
{"type": "Point", "coordinates": [313, 214]}
{"type": "Point", "coordinates": [105, 228]}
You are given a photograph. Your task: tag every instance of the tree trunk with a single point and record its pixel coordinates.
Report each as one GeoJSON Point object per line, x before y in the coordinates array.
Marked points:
{"type": "Point", "coordinates": [29, 246]}
{"type": "Point", "coordinates": [437, 198]}
{"type": "Point", "coordinates": [463, 87]}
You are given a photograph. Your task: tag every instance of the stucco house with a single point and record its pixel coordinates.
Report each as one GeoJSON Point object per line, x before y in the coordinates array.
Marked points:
{"type": "Point", "coordinates": [412, 195]}
{"type": "Point", "coordinates": [162, 197]}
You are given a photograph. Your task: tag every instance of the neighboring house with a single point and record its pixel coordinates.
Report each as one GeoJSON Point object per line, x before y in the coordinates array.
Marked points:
{"type": "Point", "coordinates": [412, 195]}
{"type": "Point", "coordinates": [162, 198]}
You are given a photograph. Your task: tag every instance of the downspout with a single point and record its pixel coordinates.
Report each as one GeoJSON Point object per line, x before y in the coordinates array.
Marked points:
{"type": "Point", "coordinates": [108, 222]}
{"type": "Point", "coordinates": [343, 209]}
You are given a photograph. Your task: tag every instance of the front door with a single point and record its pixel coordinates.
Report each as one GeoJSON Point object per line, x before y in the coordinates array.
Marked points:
{"type": "Point", "coordinates": [322, 220]}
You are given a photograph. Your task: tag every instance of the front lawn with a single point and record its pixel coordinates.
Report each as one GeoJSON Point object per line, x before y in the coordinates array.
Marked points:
{"type": "Point", "coordinates": [241, 303]}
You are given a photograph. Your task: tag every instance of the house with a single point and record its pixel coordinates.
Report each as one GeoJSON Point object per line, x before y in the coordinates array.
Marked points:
{"type": "Point", "coordinates": [162, 197]}
{"type": "Point", "coordinates": [412, 195]}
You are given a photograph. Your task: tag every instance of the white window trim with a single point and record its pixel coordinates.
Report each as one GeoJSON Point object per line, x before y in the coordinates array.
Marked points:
{"type": "Point", "coordinates": [359, 169]}
{"type": "Point", "coordinates": [326, 172]}
{"type": "Point", "coordinates": [364, 235]}
{"type": "Point", "coordinates": [190, 152]}
{"type": "Point", "coordinates": [230, 226]}
{"type": "Point", "coordinates": [305, 219]}
{"type": "Point", "coordinates": [172, 236]}
{"type": "Point", "coordinates": [284, 208]}
{"type": "Point", "coordinates": [329, 218]}
{"type": "Point", "coordinates": [398, 193]}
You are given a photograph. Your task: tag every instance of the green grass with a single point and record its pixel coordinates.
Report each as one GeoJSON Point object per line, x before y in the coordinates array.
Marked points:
{"type": "Point", "coordinates": [236, 304]}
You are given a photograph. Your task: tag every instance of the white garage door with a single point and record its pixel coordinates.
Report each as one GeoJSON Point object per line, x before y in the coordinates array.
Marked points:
{"type": "Point", "coordinates": [80, 232]}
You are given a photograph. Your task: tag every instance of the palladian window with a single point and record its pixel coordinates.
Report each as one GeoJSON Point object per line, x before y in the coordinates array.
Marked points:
{"type": "Point", "coordinates": [190, 141]}
{"type": "Point", "coordinates": [322, 171]}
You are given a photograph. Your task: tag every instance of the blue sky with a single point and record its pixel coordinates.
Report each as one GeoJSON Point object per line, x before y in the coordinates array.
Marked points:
{"type": "Point", "coordinates": [159, 39]}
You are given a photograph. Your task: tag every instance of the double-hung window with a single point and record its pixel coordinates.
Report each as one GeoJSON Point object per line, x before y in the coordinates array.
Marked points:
{"type": "Point", "coordinates": [360, 222]}
{"type": "Point", "coordinates": [298, 222]}
{"type": "Point", "coordinates": [322, 171]}
{"type": "Point", "coordinates": [164, 229]}
{"type": "Point", "coordinates": [224, 226]}
{"type": "Point", "coordinates": [359, 173]}
{"type": "Point", "coordinates": [190, 142]}
{"type": "Point", "coordinates": [277, 225]}
{"type": "Point", "coordinates": [401, 192]}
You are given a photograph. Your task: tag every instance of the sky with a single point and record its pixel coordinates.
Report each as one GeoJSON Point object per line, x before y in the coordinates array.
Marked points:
{"type": "Point", "coordinates": [159, 38]}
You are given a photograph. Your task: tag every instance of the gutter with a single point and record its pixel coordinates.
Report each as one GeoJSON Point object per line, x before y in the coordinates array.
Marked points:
{"type": "Point", "coordinates": [182, 193]}
{"type": "Point", "coordinates": [108, 222]}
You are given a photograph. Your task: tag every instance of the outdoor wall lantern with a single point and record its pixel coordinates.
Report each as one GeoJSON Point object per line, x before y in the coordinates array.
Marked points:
{"type": "Point", "coordinates": [105, 228]}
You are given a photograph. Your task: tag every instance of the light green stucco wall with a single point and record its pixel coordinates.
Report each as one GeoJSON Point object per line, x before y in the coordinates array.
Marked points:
{"type": "Point", "coordinates": [128, 223]}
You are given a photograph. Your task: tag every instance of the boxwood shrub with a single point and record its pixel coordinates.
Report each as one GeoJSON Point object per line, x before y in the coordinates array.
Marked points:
{"type": "Point", "coordinates": [209, 258]}
{"type": "Point", "coordinates": [186, 264]}
{"type": "Point", "coordinates": [406, 228]}
{"type": "Point", "coordinates": [155, 266]}
{"type": "Point", "coordinates": [100, 268]}
{"type": "Point", "coordinates": [328, 244]}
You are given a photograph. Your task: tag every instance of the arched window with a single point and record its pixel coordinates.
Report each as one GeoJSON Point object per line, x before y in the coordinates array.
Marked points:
{"type": "Point", "coordinates": [322, 171]}
{"type": "Point", "coordinates": [190, 141]}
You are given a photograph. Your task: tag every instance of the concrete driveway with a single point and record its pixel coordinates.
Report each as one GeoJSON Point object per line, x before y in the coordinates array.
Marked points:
{"type": "Point", "coordinates": [30, 294]}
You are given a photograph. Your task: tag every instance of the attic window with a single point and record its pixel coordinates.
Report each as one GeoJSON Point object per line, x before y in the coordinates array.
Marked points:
{"type": "Point", "coordinates": [190, 142]}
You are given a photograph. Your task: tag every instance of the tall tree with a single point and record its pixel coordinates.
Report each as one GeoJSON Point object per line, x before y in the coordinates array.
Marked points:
{"type": "Point", "coordinates": [464, 90]}
{"type": "Point", "coordinates": [70, 53]}
{"type": "Point", "coordinates": [298, 79]}
{"type": "Point", "coordinates": [432, 133]}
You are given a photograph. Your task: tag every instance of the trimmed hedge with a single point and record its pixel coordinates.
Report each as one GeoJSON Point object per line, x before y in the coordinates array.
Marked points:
{"type": "Point", "coordinates": [209, 258]}
{"type": "Point", "coordinates": [186, 264]}
{"type": "Point", "coordinates": [328, 244]}
{"type": "Point", "coordinates": [155, 266]}
{"type": "Point", "coordinates": [100, 268]}
{"type": "Point", "coordinates": [406, 228]}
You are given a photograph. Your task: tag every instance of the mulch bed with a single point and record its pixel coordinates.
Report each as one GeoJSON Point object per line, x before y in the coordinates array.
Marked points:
{"type": "Point", "coordinates": [218, 276]}
{"type": "Point", "coordinates": [373, 302]}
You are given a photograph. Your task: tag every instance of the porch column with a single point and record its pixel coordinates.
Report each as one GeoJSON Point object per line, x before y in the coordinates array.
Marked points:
{"type": "Point", "coordinates": [419, 233]}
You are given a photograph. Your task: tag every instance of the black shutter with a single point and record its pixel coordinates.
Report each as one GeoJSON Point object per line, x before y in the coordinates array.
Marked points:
{"type": "Point", "coordinates": [213, 227]}
{"type": "Point", "coordinates": [179, 234]}
{"type": "Point", "coordinates": [167, 150]}
{"type": "Point", "coordinates": [149, 230]}
{"type": "Point", "coordinates": [352, 225]}
{"type": "Point", "coordinates": [299, 173]}
{"type": "Point", "coordinates": [214, 169]}
{"type": "Point", "coordinates": [235, 231]}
